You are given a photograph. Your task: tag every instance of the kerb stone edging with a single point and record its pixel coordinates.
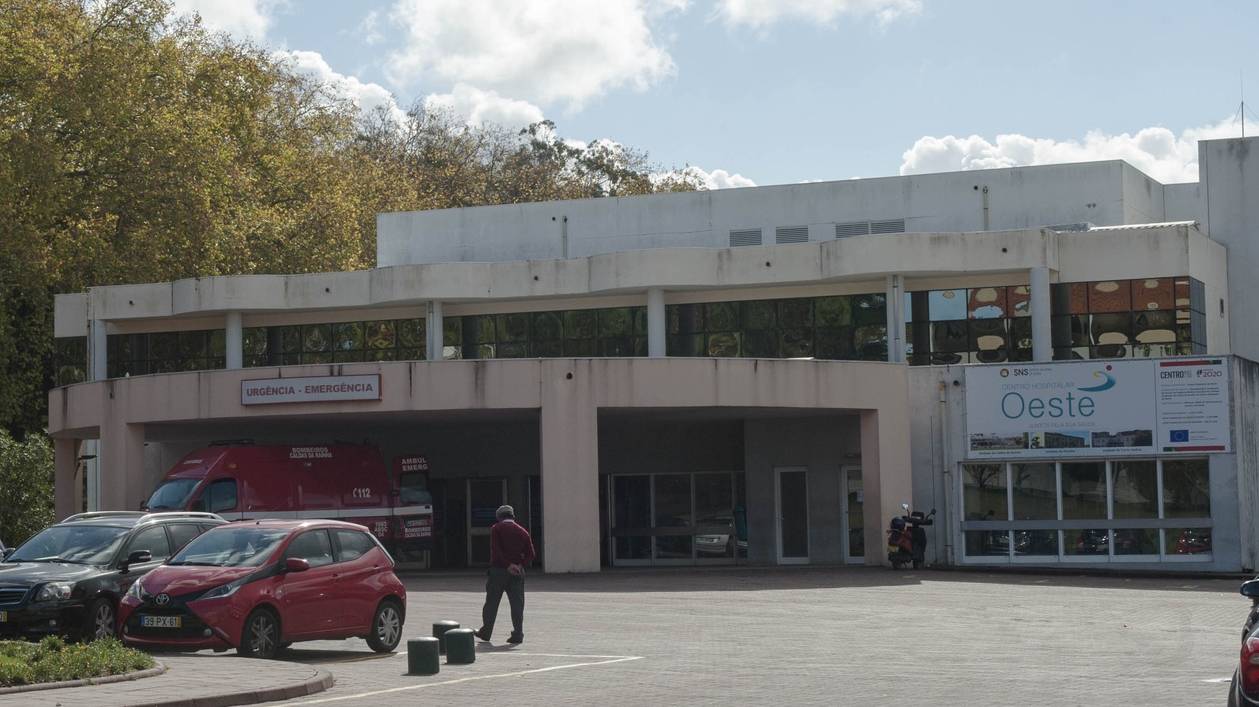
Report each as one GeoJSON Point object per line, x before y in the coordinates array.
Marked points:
{"type": "Point", "coordinates": [322, 680]}
{"type": "Point", "coordinates": [158, 669]}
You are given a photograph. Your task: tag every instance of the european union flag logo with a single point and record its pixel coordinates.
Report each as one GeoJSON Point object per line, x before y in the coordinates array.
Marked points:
{"type": "Point", "coordinates": [1180, 435]}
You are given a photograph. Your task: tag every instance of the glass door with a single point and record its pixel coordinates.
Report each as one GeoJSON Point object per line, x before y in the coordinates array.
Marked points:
{"type": "Point", "coordinates": [854, 520]}
{"type": "Point", "coordinates": [792, 505]}
{"type": "Point", "coordinates": [484, 498]}
{"type": "Point", "coordinates": [631, 520]}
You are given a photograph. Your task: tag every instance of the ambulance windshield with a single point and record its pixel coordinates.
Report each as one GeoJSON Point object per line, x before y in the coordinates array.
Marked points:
{"type": "Point", "coordinates": [172, 495]}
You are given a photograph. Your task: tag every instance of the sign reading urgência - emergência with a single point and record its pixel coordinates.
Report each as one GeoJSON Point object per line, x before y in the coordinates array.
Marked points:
{"type": "Point", "coordinates": [1098, 408]}
{"type": "Point", "coordinates": [310, 389]}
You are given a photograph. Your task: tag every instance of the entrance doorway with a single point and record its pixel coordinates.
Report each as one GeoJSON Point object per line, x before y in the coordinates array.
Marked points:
{"type": "Point", "coordinates": [791, 505]}
{"type": "Point", "coordinates": [677, 518]}
{"type": "Point", "coordinates": [484, 498]}
{"type": "Point", "coordinates": [854, 518]}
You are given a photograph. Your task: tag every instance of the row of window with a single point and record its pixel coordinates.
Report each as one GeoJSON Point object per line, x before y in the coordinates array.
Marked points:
{"type": "Point", "coordinates": [1105, 319]}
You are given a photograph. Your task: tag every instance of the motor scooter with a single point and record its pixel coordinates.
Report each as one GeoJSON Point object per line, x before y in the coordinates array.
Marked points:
{"type": "Point", "coordinates": [906, 540]}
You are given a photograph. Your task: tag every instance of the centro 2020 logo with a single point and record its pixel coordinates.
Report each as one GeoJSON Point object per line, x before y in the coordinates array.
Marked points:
{"type": "Point", "coordinates": [1015, 406]}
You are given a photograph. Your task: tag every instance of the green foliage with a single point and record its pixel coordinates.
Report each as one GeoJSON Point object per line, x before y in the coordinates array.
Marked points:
{"type": "Point", "coordinates": [26, 487]}
{"type": "Point", "coordinates": [54, 660]}
{"type": "Point", "coordinates": [138, 148]}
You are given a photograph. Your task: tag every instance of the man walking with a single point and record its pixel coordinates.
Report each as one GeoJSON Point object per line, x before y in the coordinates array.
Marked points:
{"type": "Point", "coordinates": [511, 549]}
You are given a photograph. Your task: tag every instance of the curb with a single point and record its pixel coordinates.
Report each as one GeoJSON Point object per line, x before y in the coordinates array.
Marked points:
{"type": "Point", "coordinates": [321, 681]}
{"type": "Point", "coordinates": [158, 669]}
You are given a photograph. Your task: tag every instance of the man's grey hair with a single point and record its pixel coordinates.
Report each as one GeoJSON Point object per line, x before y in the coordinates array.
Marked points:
{"type": "Point", "coordinates": [505, 511]}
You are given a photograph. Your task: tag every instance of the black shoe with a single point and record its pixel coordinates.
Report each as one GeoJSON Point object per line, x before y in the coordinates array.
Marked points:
{"type": "Point", "coordinates": [516, 638]}
{"type": "Point", "coordinates": [482, 634]}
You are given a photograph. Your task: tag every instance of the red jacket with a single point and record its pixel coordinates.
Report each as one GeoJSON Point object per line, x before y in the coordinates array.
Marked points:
{"type": "Point", "coordinates": [510, 544]}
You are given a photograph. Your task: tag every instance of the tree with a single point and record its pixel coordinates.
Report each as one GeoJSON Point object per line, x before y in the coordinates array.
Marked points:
{"type": "Point", "coordinates": [135, 147]}
{"type": "Point", "coordinates": [26, 487]}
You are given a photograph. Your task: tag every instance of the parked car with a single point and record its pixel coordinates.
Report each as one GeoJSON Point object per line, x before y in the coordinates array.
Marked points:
{"type": "Point", "coordinates": [68, 579]}
{"type": "Point", "coordinates": [1244, 692]}
{"type": "Point", "coordinates": [241, 480]}
{"type": "Point", "coordinates": [259, 586]}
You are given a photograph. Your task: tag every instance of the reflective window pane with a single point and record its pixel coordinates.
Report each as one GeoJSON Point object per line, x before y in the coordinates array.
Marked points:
{"type": "Point", "coordinates": [1186, 489]}
{"type": "Point", "coordinates": [1153, 293]}
{"type": "Point", "coordinates": [1135, 489]}
{"type": "Point", "coordinates": [673, 500]}
{"type": "Point", "coordinates": [984, 492]}
{"type": "Point", "coordinates": [1035, 542]}
{"type": "Point", "coordinates": [947, 304]}
{"type": "Point", "coordinates": [987, 543]}
{"type": "Point", "coordinates": [1083, 490]}
{"type": "Point", "coordinates": [1086, 542]}
{"type": "Point", "coordinates": [1188, 541]}
{"type": "Point", "coordinates": [1138, 541]}
{"type": "Point", "coordinates": [1110, 296]}
{"type": "Point", "coordinates": [987, 303]}
{"type": "Point", "coordinates": [856, 514]}
{"type": "Point", "coordinates": [1034, 492]}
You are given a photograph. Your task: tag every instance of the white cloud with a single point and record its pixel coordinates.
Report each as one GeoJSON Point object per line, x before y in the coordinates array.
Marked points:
{"type": "Point", "coordinates": [1157, 151]}
{"type": "Point", "coordinates": [369, 29]}
{"type": "Point", "coordinates": [479, 107]}
{"type": "Point", "coordinates": [244, 18]}
{"type": "Point", "coordinates": [543, 51]}
{"type": "Point", "coordinates": [762, 13]}
{"type": "Point", "coordinates": [367, 96]}
{"type": "Point", "coordinates": [716, 179]}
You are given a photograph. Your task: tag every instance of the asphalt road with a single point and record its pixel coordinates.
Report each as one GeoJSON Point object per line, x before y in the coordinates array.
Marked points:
{"type": "Point", "coordinates": [813, 636]}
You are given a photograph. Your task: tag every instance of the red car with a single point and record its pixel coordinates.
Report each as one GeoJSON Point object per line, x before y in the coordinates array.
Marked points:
{"type": "Point", "coordinates": [259, 586]}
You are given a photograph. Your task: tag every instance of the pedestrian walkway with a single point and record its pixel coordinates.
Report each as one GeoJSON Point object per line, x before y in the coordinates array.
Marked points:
{"type": "Point", "coordinates": [195, 680]}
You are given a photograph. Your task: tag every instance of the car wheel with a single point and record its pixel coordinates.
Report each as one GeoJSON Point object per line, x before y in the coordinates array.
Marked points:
{"type": "Point", "coordinates": [102, 621]}
{"type": "Point", "coordinates": [386, 627]}
{"type": "Point", "coordinates": [261, 637]}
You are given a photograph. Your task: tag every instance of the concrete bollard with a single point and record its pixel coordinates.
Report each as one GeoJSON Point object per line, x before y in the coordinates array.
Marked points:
{"type": "Point", "coordinates": [439, 632]}
{"type": "Point", "coordinates": [460, 646]}
{"type": "Point", "coordinates": [422, 656]}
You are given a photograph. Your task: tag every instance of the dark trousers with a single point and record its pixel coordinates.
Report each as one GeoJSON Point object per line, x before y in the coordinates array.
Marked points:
{"type": "Point", "coordinates": [497, 581]}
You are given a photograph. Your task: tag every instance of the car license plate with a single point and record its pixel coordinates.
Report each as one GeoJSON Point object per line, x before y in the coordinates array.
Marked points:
{"type": "Point", "coordinates": [161, 621]}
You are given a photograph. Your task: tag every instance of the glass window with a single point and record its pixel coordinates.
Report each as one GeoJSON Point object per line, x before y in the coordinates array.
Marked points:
{"type": "Point", "coordinates": [673, 510]}
{"type": "Point", "coordinates": [316, 338]}
{"type": "Point", "coordinates": [1153, 293]}
{"type": "Point", "coordinates": [312, 546]}
{"type": "Point", "coordinates": [1135, 489]}
{"type": "Point", "coordinates": [988, 303]}
{"type": "Point", "coordinates": [150, 539]}
{"type": "Point", "coordinates": [220, 496]}
{"type": "Point", "coordinates": [1136, 541]}
{"type": "Point", "coordinates": [714, 515]}
{"type": "Point", "coordinates": [1110, 296]}
{"type": "Point", "coordinates": [1035, 492]}
{"type": "Point", "coordinates": [987, 543]}
{"type": "Point", "coordinates": [347, 336]}
{"type": "Point", "coordinates": [1186, 489]}
{"type": "Point", "coordinates": [833, 311]}
{"type": "Point", "coordinates": [870, 309]}
{"type": "Point", "coordinates": [949, 337]}
{"type": "Point", "coordinates": [1035, 542]}
{"type": "Point", "coordinates": [182, 533]}
{"type": "Point", "coordinates": [984, 492]}
{"type": "Point", "coordinates": [352, 544]}
{"type": "Point", "coordinates": [1020, 301]}
{"type": "Point", "coordinates": [83, 544]}
{"type": "Point", "coordinates": [795, 313]}
{"type": "Point", "coordinates": [721, 316]}
{"type": "Point", "coordinates": [947, 304]}
{"type": "Point", "coordinates": [383, 334]}
{"type": "Point", "coordinates": [1083, 490]}
{"type": "Point", "coordinates": [231, 546]}
{"type": "Point", "coordinates": [1188, 541]}
{"type": "Point", "coordinates": [1085, 542]}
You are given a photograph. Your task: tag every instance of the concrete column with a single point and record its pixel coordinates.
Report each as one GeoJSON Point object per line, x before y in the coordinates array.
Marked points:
{"type": "Point", "coordinates": [433, 339]}
{"type": "Point", "coordinates": [896, 318]}
{"type": "Point", "coordinates": [97, 350]}
{"type": "Point", "coordinates": [1042, 335]}
{"type": "Point", "coordinates": [655, 323]}
{"type": "Point", "coordinates": [121, 469]}
{"type": "Point", "coordinates": [235, 341]}
{"type": "Point", "coordinates": [886, 476]}
{"type": "Point", "coordinates": [66, 494]}
{"type": "Point", "coordinates": [569, 432]}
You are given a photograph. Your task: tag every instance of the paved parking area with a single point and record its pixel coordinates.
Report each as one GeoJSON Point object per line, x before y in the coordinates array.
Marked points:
{"type": "Point", "coordinates": [812, 636]}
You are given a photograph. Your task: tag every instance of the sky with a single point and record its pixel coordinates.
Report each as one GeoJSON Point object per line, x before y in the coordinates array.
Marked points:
{"type": "Point", "coordinates": [747, 92]}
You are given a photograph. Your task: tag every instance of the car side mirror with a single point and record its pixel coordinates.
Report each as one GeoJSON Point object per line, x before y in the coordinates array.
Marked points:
{"type": "Point", "coordinates": [1250, 589]}
{"type": "Point", "coordinates": [296, 564]}
{"type": "Point", "coordinates": [138, 557]}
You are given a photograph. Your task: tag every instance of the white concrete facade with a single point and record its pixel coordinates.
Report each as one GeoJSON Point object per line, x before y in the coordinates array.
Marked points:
{"type": "Point", "coordinates": [1026, 229]}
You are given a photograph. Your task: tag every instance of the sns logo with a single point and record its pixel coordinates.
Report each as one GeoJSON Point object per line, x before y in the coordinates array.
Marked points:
{"type": "Point", "coordinates": [1108, 381]}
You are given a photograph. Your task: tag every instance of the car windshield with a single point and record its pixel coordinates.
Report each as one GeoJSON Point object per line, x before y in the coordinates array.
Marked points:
{"type": "Point", "coordinates": [172, 495]}
{"type": "Point", "coordinates": [230, 547]}
{"type": "Point", "coordinates": [79, 544]}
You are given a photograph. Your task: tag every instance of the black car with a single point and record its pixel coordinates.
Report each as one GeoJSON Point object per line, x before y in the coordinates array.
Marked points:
{"type": "Point", "coordinates": [68, 578]}
{"type": "Point", "coordinates": [1244, 691]}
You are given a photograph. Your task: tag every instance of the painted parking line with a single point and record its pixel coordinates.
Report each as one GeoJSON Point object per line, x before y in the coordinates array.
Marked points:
{"type": "Point", "coordinates": [1219, 680]}
{"type": "Point", "coordinates": [403, 654]}
{"type": "Point", "coordinates": [474, 678]}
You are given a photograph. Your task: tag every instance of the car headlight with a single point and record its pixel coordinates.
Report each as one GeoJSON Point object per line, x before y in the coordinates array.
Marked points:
{"type": "Point", "coordinates": [225, 590]}
{"type": "Point", "coordinates": [136, 591]}
{"type": "Point", "coordinates": [54, 591]}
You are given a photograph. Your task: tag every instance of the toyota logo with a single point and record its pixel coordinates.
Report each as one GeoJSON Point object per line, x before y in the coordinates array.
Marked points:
{"type": "Point", "coordinates": [161, 599]}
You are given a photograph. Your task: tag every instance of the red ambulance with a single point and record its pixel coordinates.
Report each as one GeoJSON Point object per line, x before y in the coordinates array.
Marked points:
{"type": "Point", "coordinates": [337, 482]}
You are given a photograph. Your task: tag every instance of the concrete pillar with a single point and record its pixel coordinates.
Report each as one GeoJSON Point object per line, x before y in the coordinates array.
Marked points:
{"type": "Point", "coordinates": [122, 480]}
{"type": "Point", "coordinates": [235, 341]}
{"type": "Point", "coordinates": [655, 323]}
{"type": "Point", "coordinates": [97, 350]}
{"type": "Point", "coordinates": [66, 495]}
{"type": "Point", "coordinates": [886, 475]}
{"type": "Point", "coordinates": [433, 340]}
{"type": "Point", "coordinates": [896, 318]}
{"type": "Point", "coordinates": [569, 432]}
{"type": "Point", "coordinates": [1042, 334]}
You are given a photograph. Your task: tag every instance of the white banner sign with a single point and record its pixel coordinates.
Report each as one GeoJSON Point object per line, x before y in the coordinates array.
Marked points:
{"type": "Point", "coordinates": [1098, 408]}
{"type": "Point", "coordinates": [313, 389]}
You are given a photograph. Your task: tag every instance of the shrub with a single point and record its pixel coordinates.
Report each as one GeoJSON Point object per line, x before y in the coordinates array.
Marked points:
{"type": "Point", "coordinates": [53, 660]}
